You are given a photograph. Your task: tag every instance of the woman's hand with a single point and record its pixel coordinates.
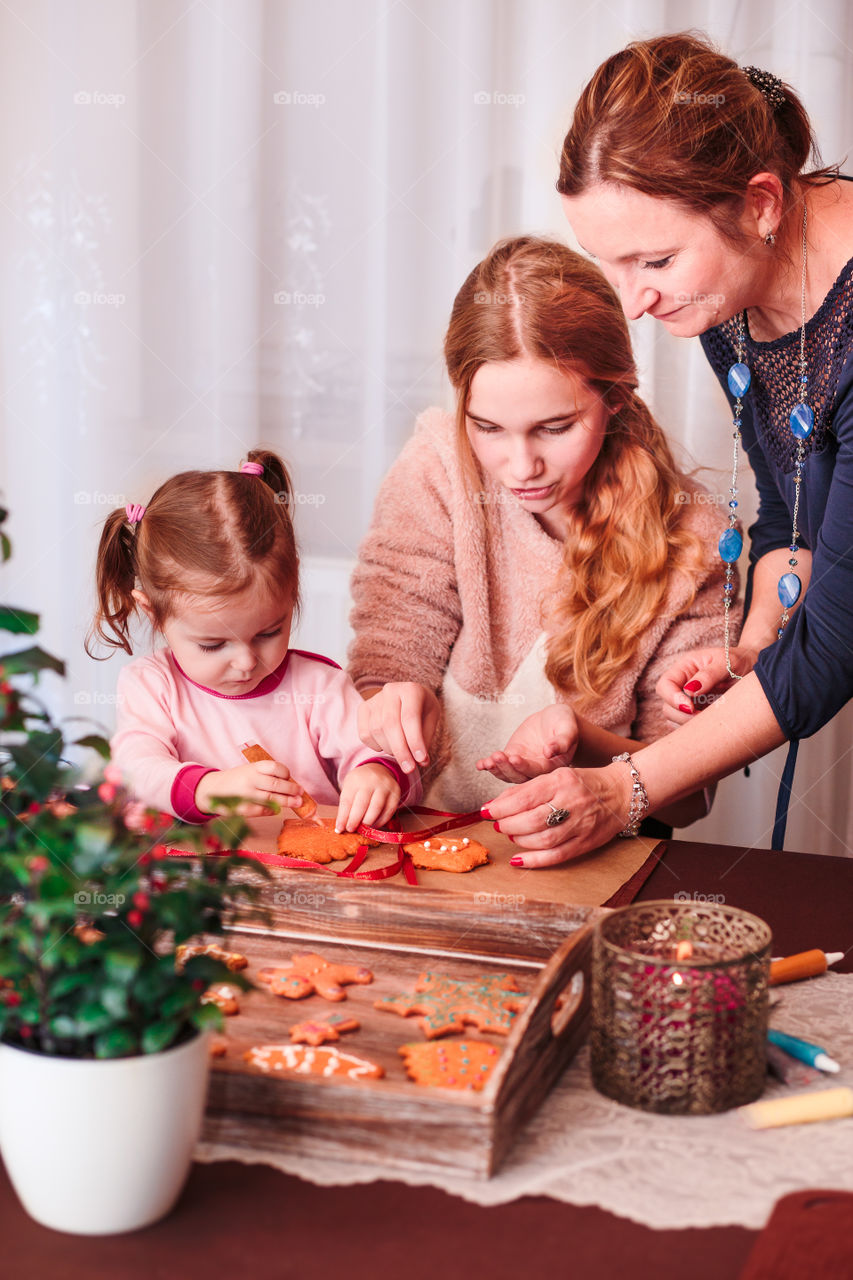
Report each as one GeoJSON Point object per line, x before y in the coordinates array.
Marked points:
{"type": "Point", "coordinates": [698, 677]}
{"type": "Point", "coordinates": [543, 742]}
{"type": "Point", "coordinates": [370, 794]}
{"type": "Point", "coordinates": [598, 801]}
{"type": "Point", "coordinates": [257, 783]}
{"type": "Point", "coordinates": [400, 721]}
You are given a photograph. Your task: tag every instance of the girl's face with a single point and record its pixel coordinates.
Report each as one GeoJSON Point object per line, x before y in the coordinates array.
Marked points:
{"type": "Point", "coordinates": [536, 431]}
{"type": "Point", "coordinates": [230, 644]}
{"type": "Point", "coordinates": [664, 260]}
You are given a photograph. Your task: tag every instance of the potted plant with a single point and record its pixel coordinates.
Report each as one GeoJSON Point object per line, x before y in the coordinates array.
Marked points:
{"type": "Point", "coordinates": [103, 1047]}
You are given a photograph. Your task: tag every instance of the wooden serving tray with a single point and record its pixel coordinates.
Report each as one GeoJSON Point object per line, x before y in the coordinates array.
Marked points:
{"type": "Point", "coordinates": [400, 933]}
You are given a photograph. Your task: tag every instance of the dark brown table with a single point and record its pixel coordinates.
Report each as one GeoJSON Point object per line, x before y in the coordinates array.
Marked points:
{"type": "Point", "coordinates": [239, 1221]}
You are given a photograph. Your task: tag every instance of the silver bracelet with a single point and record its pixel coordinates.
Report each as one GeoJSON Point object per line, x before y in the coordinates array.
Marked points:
{"type": "Point", "coordinates": [639, 798]}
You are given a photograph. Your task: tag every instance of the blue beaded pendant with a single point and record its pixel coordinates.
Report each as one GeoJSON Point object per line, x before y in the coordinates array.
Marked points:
{"type": "Point", "coordinates": [730, 545]}
{"type": "Point", "coordinates": [789, 589]}
{"type": "Point", "coordinates": [739, 379]}
{"type": "Point", "coordinates": [802, 421]}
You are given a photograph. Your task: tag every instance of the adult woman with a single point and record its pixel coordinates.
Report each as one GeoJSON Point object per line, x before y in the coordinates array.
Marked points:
{"type": "Point", "coordinates": [685, 176]}
{"type": "Point", "coordinates": [553, 486]}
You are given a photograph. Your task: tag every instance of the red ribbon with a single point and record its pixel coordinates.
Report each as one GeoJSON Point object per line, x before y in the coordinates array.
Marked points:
{"type": "Point", "coordinates": [402, 863]}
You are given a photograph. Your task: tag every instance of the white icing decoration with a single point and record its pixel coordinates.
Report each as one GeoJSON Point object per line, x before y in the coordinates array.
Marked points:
{"type": "Point", "coordinates": [465, 840]}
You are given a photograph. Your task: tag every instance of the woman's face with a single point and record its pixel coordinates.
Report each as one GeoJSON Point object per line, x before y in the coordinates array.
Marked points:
{"type": "Point", "coordinates": [536, 431]}
{"type": "Point", "coordinates": [664, 260]}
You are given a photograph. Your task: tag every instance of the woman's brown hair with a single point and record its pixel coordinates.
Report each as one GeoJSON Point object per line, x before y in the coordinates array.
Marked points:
{"type": "Point", "coordinates": [674, 118]}
{"type": "Point", "coordinates": [203, 534]}
{"type": "Point", "coordinates": [627, 535]}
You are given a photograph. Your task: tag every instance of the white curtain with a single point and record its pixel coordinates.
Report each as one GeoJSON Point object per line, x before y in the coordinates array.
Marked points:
{"type": "Point", "coordinates": [231, 223]}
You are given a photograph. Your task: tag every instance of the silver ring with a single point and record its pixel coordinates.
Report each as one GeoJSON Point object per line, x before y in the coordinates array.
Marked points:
{"type": "Point", "coordinates": [556, 816]}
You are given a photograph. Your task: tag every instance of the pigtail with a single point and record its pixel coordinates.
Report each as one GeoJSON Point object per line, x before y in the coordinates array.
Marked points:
{"type": "Point", "coordinates": [276, 476]}
{"type": "Point", "coordinates": [115, 578]}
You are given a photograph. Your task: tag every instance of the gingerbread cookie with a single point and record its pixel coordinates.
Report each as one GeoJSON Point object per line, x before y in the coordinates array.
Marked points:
{"type": "Point", "coordinates": [465, 1064]}
{"type": "Point", "coordinates": [308, 806]}
{"type": "Point", "coordinates": [224, 997]}
{"type": "Point", "coordinates": [323, 1031]}
{"type": "Point", "coordinates": [218, 1046]}
{"type": "Point", "coordinates": [446, 1005]}
{"type": "Point", "coordinates": [310, 973]}
{"type": "Point", "coordinates": [318, 841]}
{"type": "Point", "coordinates": [443, 854]}
{"type": "Point", "coordinates": [232, 959]}
{"type": "Point", "coordinates": [305, 1060]}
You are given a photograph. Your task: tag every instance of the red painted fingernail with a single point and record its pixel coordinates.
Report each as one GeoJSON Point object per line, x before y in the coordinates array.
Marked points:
{"type": "Point", "coordinates": [484, 811]}
{"type": "Point", "coordinates": [693, 686]}
{"type": "Point", "coordinates": [516, 862]}
{"type": "Point", "coordinates": [682, 706]}
{"type": "Point", "coordinates": [497, 826]}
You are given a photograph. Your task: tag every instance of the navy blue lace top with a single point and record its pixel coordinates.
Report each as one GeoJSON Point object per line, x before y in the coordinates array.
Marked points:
{"type": "Point", "coordinates": [807, 676]}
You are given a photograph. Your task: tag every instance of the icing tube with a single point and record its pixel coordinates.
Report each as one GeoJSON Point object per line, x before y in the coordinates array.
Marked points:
{"type": "Point", "coordinates": [806, 964]}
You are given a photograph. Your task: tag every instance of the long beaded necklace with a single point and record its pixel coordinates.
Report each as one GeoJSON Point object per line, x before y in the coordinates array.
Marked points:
{"type": "Point", "coordinates": [802, 424]}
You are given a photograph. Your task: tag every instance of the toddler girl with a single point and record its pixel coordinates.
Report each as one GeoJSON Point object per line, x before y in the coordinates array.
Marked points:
{"type": "Point", "coordinates": [212, 563]}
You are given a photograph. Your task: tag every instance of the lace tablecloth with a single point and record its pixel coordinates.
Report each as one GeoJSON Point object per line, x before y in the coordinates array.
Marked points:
{"type": "Point", "coordinates": [661, 1171]}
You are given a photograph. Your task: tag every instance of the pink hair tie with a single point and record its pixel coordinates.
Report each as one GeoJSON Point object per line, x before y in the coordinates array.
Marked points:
{"type": "Point", "coordinates": [252, 469]}
{"type": "Point", "coordinates": [134, 512]}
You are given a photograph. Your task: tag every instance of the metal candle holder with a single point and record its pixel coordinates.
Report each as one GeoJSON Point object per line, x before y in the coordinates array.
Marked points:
{"type": "Point", "coordinates": [682, 1036]}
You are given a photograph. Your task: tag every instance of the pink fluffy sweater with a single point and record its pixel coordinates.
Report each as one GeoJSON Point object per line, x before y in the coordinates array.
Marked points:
{"type": "Point", "coordinates": [443, 601]}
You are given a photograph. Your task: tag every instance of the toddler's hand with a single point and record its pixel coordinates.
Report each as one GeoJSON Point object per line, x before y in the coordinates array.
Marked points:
{"type": "Point", "coordinates": [257, 783]}
{"type": "Point", "coordinates": [370, 794]}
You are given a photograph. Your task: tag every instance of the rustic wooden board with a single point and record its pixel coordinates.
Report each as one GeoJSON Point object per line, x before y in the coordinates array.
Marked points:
{"type": "Point", "coordinates": [586, 881]}
{"type": "Point", "coordinates": [394, 1120]}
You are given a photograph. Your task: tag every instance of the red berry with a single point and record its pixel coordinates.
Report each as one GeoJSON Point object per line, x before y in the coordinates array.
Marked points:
{"type": "Point", "coordinates": [144, 859]}
{"type": "Point", "coordinates": [141, 900]}
{"type": "Point", "coordinates": [148, 823]}
{"type": "Point", "coordinates": [198, 984]}
{"type": "Point", "coordinates": [12, 998]}
{"type": "Point", "coordinates": [107, 792]}
{"type": "Point", "coordinates": [26, 1031]}
{"type": "Point", "coordinates": [34, 808]}
{"type": "Point", "coordinates": [6, 688]}
{"type": "Point", "coordinates": [159, 852]}
{"type": "Point", "coordinates": [38, 863]}
{"type": "Point", "coordinates": [134, 919]}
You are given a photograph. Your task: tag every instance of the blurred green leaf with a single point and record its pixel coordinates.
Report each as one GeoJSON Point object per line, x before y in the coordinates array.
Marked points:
{"type": "Point", "coordinates": [18, 621]}
{"type": "Point", "coordinates": [159, 1035]}
{"type": "Point", "coordinates": [26, 661]}
{"type": "Point", "coordinates": [118, 1043]}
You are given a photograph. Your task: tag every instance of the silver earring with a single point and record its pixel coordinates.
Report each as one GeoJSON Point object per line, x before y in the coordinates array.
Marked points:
{"type": "Point", "coordinates": [770, 238]}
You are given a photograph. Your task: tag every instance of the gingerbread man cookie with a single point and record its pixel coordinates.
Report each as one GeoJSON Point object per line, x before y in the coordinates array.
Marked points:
{"type": "Point", "coordinates": [442, 853]}
{"type": "Point", "coordinates": [324, 1030]}
{"type": "Point", "coordinates": [446, 1005]}
{"type": "Point", "coordinates": [305, 1060]}
{"type": "Point", "coordinates": [232, 959]}
{"type": "Point", "coordinates": [310, 973]}
{"type": "Point", "coordinates": [465, 1064]}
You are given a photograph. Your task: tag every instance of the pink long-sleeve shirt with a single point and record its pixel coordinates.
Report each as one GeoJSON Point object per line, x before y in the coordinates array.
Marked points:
{"type": "Point", "coordinates": [172, 731]}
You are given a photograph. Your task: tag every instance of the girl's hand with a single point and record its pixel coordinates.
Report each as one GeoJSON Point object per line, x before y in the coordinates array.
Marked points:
{"type": "Point", "coordinates": [545, 741]}
{"type": "Point", "coordinates": [598, 801]}
{"type": "Point", "coordinates": [698, 677]}
{"type": "Point", "coordinates": [370, 794]}
{"type": "Point", "coordinates": [257, 783]}
{"type": "Point", "coordinates": [400, 721]}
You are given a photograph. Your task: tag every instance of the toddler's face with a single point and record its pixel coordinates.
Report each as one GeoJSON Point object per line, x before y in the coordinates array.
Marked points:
{"type": "Point", "coordinates": [230, 645]}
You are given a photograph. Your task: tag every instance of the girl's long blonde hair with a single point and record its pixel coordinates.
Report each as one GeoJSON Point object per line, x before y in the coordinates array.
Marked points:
{"type": "Point", "coordinates": [627, 535]}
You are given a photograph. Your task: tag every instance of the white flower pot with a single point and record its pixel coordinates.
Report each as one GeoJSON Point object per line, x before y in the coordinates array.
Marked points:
{"type": "Point", "coordinates": [97, 1147]}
